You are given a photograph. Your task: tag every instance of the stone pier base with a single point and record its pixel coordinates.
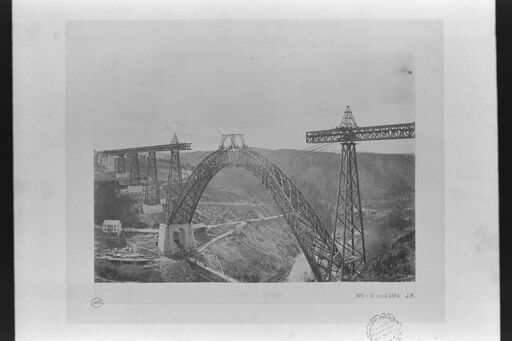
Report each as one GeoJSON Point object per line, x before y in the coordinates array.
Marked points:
{"type": "Point", "coordinates": [174, 238]}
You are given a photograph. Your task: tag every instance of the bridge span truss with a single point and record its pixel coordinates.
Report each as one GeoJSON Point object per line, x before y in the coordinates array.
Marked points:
{"type": "Point", "coordinates": [313, 237]}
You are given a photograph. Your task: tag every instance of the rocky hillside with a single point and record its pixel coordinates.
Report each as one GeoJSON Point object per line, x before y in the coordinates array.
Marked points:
{"type": "Point", "coordinates": [253, 249]}
{"type": "Point", "coordinates": [261, 251]}
{"type": "Point", "coordinates": [387, 188]}
{"type": "Point", "coordinates": [384, 178]}
{"type": "Point", "coordinates": [265, 250]}
{"type": "Point", "coordinates": [396, 264]}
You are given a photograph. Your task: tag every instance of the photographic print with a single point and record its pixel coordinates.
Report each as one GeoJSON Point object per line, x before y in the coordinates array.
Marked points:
{"type": "Point", "coordinates": [251, 151]}
{"type": "Point", "coordinates": [307, 170]}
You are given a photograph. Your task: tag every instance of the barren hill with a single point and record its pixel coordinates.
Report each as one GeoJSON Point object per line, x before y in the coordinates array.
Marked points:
{"type": "Point", "coordinates": [387, 191]}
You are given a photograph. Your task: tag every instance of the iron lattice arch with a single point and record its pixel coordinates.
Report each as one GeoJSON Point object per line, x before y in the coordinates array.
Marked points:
{"type": "Point", "coordinates": [312, 236]}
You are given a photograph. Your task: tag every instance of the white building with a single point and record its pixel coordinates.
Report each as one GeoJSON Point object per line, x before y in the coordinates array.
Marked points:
{"type": "Point", "coordinates": [112, 226]}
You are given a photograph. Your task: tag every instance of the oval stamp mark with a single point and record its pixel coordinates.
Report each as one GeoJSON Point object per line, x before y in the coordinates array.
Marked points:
{"type": "Point", "coordinates": [97, 302]}
{"type": "Point", "coordinates": [384, 327]}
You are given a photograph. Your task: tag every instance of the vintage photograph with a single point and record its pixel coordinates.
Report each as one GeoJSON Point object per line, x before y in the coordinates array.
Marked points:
{"type": "Point", "coordinates": [254, 151]}
{"type": "Point", "coordinates": [307, 170]}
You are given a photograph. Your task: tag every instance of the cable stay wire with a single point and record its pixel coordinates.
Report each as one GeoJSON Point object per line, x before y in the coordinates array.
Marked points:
{"type": "Point", "coordinates": [274, 129]}
{"type": "Point", "coordinates": [336, 111]}
{"type": "Point", "coordinates": [310, 149]}
{"type": "Point", "coordinates": [317, 149]}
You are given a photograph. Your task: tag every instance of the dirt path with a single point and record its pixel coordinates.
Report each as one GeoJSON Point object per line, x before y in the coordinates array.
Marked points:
{"type": "Point", "coordinates": [202, 247]}
{"type": "Point", "coordinates": [244, 221]}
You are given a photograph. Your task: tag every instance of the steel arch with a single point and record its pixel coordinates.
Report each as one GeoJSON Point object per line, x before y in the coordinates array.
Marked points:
{"type": "Point", "coordinates": [312, 236]}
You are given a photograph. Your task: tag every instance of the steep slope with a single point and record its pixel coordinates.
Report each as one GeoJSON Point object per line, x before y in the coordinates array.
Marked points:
{"type": "Point", "coordinates": [253, 250]}
{"type": "Point", "coordinates": [266, 250]}
{"type": "Point", "coordinates": [383, 178]}
{"type": "Point", "coordinates": [396, 264]}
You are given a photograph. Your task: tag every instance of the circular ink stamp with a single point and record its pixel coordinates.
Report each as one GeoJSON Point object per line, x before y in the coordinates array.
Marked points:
{"type": "Point", "coordinates": [384, 327]}
{"type": "Point", "coordinates": [97, 302]}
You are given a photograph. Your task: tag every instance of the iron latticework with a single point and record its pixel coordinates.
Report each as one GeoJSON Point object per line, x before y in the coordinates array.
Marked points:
{"type": "Point", "coordinates": [153, 192]}
{"type": "Point", "coordinates": [120, 164]}
{"type": "Point", "coordinates": [312, 236]}
{"type": "Point", "coordinates": [134, 169]}
{"type": "Point", "coordinates": [333, 254]}
{"type": "Point", "coordinates": [348, 233]}
{"type": "Point", "coordinates": [234, 141]}
{"type": "Point", "coordinates": [174, 180]}
{"type": "Point", "coordinates": [185, 205]}
{"type": "Point", "coordinates": [103, 160]}
{"type": "Point", "coordinates": [348, 121]}
{"type": "Point", "coordinates": [174, 140]}
{"type": "Point", "coordinates": [371, 133]}
{"type": "Point", "coordinates": [152, 188]}
{"type": "Point", "coordinates": [310, 232]}
{"type": "Point", "coordinates": [348, 255]}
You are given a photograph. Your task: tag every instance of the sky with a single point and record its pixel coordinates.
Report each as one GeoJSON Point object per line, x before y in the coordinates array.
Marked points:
{"type": "Point", "coordinates": [208, 82]}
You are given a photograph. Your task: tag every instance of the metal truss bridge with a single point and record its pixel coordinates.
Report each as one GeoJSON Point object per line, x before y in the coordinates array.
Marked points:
{"type": "Point", "coordinates": [152, 195]}
{"type": "Point", "coordinates": [334, 253]}
{"type": "Point", "coordinates": [347, 235]}
{"type": "Point", "coordinates": [371, 133]}
{"type": "Point", "coordinates": [313, 237]}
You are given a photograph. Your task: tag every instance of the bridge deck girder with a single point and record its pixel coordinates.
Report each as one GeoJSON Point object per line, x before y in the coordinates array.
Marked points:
{"type": "Point", "coordinates": [369, 133]}
{"type": "Point", "coordinates": [146, 149]}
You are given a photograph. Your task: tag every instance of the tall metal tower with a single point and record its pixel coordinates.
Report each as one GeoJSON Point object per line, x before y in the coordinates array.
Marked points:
{"type": "Point", "coordinates": [134, 169]}
{"type": "Point", "coordinates": [174, 180]}
{"type": "Point", "coordinates": [120, 165]}
{"type": "Point", "coordinates": [348, 254]}
{"type": "Point", "coordinates": [348, 223]}
{"type": "Point", "coordinates": [152, 189]}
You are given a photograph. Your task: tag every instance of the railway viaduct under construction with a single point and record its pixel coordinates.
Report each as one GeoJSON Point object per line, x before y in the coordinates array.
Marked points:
{"type": "Point", "coordinates": [334, 253]}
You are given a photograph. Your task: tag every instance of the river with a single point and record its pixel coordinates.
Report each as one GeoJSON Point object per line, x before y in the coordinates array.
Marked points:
{"type": "Point", "coordinates": [301, 272]}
